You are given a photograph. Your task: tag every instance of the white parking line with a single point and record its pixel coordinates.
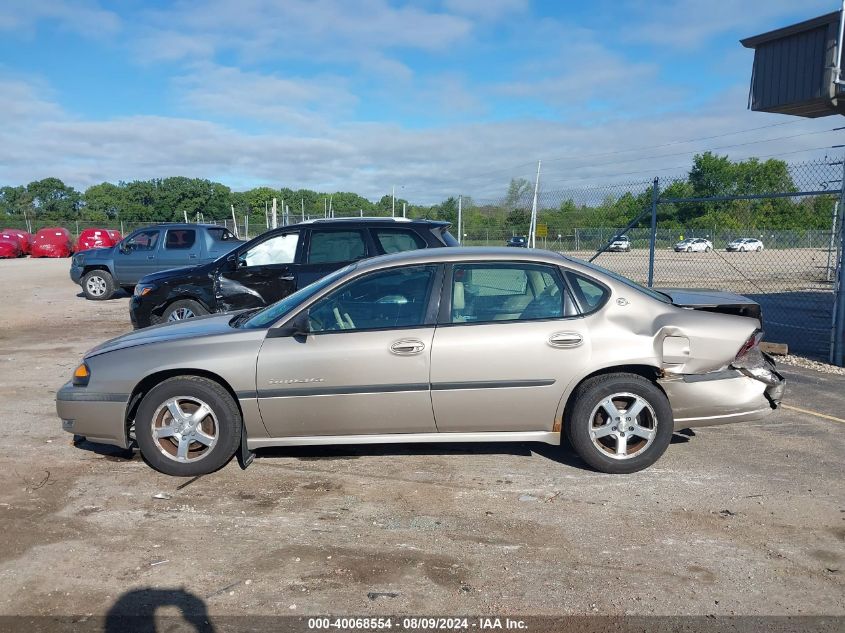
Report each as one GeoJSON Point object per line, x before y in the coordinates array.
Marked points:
{"type": "Point", "coordinates": [815, 413]}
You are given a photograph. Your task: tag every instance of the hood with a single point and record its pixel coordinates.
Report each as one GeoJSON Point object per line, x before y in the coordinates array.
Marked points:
{"type": "Point", "coordinates": [713, 301]}
{"type": "Point", "coordinates": [101, 252]}
{"type": "Point", "coordinates": [171, 273]}
{"type": "Point", "coordinates": [211, 325]}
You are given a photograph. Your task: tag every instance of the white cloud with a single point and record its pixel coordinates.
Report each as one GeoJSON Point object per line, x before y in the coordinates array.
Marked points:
{"type": "Point", "coordinates": [38, 139]}
{"type": "Point", "coordinates": [689, 24]}
{"type": "Point", "coordinates": [486, 9]}
{"type": "Point", "coordinates": [81, 16]}
{"type": "Point", "coordinates": [236, 94]}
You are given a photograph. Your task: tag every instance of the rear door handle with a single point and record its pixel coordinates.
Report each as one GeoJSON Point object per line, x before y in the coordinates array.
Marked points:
{"type": "Point", "coordinates": [151, 256]}
{"type": "Point", "coordinates": [407, 347]}
{"type": "Point", "coordinates": [565, 339]}
{"type": "Point", "coordinates": [287, 278]}
{"type": "Point", "coordinates": [192, 256]}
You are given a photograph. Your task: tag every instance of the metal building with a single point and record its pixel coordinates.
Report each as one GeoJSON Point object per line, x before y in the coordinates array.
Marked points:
{"type": "Point", "coordinates": [797, 68]}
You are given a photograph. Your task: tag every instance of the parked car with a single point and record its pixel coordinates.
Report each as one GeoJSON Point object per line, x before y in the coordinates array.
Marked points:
{"type": "Point", "coordinates": [11, 246]}
{"type": "Point", "coordinates": [517, 241]}
{"type": "Point", "coordinates": [620, 244]}
{"type": "Point", "coordinates": [52, 242]}
{"type": "Point", "coordinates": [492, 343]}
{"type": "Point", "coordinates": [101, 271]}
{"type": "Point", "coordinates": [97, 238]}
{"type": "Point", "coordinates": [25, 238]}
{"type": "Point", "coordinates": [275, 264]}
{"type": "Point", "coordinates": [744, 244]}
{"type": "Point", "coordinates": [694, 245]}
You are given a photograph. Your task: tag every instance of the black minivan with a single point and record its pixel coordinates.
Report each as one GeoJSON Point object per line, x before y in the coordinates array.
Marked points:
{"type": "Point", "coordinates": [275, 264]}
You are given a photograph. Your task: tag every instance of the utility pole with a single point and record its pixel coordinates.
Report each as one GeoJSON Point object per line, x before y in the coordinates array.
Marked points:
{"type": "Point", "coordinates": [235, 222]}
{"type": "Point", "coordinates": [460, 219]}
{"type": "Point", "coordinates": [302, 200]}
{"type": "Point", "coordinates": [274, 218]}
{"type": "Point", "coordinates": [393, 202]}
{"type": "Point", "coordinates": [832, 243]}
{"type": "Point", "coordinates": [404, 210]}
{"type": "Point", "coordinates": [331, 209]}
{"type": "Point", "coordinates": [532, 226]}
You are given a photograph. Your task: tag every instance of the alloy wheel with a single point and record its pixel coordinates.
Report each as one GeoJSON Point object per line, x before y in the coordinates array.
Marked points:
{"type": "Point", "coordinates": [185, 429]}
{"type": "Point", "coordinates": [180, 314]}
{"type": "Point", "coordinates": [623, 425]}
{"type": "Point", "coordinates": [96, 286]}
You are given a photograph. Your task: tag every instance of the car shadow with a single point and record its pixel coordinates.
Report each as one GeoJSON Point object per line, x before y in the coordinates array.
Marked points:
{"type": "Point", "coordinates": [136, 611]}
{"type": "Point", "coordinates": [560, 454]}
{"type": "Point", "coordinates": [109, 452]}
{"type": "Point", "coordinates": [120, 293]}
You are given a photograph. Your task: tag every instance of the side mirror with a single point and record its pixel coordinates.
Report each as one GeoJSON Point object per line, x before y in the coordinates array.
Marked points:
{"type": "Point", "coordinates": [300, 326]}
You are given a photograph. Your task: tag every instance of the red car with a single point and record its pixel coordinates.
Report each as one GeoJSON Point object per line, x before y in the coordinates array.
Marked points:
{"type": "Point", "coordinates": [52, 242]}
{"type": "Point", "coordinates": [10, 246]}
{"type": "Point", "coordinates": [26, 238]}
{"type": "Point", "coordinates": [97, 238]}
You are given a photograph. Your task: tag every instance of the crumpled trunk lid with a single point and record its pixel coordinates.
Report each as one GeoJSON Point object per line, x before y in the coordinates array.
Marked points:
{"type": "Point", "coordinates": [713, 301]}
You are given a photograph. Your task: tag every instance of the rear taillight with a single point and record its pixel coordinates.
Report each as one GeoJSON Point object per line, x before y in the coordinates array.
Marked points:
{"type": "Point", "coordinates": [752, 342]}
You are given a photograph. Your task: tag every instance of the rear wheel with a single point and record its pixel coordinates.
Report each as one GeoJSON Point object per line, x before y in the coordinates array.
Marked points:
{"type": "Point", "coordinates": [183, 309]}
{"type": "Point", "coordinates": [759, 248]}
{"type": "Point", "coordinates": [97, 285]}
{"type": "Point", "coordinates": [188, 426]}
{"type": "Point", "coordinates": [619, 423]}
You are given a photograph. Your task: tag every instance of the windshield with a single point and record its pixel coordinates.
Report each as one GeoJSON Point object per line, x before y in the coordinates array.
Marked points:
{"type": "Point", "coordinates": [628, 282]}
{"type": "Point", "coordinates": [272, 313]}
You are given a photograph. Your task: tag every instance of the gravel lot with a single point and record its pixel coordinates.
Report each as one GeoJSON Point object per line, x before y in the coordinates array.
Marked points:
{"type": "Point", "coordinates": [743, 519]}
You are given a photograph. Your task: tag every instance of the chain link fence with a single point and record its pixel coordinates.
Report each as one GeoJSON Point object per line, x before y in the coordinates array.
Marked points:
{"type": "Point", "coordinates": [793, 271]}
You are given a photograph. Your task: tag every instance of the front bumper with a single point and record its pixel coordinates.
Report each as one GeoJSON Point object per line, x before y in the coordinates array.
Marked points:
{"type": "Point", "coordinates": [75, 273]}
{"type": "Point", "coordinates": [737, 394]}
{"type": "Point", "coordinates": [100, 417]}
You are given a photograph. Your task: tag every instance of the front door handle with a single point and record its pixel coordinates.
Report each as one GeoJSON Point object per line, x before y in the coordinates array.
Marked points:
{"type": "Point", "coordinates": [151, 256]}
{"type": "Point", "coordinates": [287, 278]}
{"type": "Point", "coordinates": [407, 347]}
{"type": "Point", "coordinates": [565, 339]}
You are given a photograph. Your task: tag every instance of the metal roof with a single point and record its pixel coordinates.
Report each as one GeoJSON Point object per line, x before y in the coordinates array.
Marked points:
{"type": "Point", "coordinates": [823, 20]}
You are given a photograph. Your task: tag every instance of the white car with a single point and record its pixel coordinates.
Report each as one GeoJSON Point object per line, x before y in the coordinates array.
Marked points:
{"type": "Point", "coordinates": [745, 244]}
{"type": "Point", "coordinates": [694, 245]}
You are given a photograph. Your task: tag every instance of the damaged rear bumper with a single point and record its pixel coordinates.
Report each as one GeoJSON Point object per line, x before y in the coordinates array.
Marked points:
{"type": "Point", "coordinates": [750, 389]}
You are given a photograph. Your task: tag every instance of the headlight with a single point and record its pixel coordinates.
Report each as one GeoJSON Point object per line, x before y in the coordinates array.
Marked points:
{"type": "Point", "coordinates": [81, 376]}
{"type": "Point", "coordinates": [143, 289]}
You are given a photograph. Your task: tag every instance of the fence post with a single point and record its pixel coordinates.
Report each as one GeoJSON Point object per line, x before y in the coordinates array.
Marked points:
{"type": "Point", "coordinates": [838, 347]}
{"type": "Point", "coordinates": [655, 195]}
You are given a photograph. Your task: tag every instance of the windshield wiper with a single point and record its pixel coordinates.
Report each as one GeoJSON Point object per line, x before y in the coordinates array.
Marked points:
{"type": "Point", "coordinates": [243, 316]}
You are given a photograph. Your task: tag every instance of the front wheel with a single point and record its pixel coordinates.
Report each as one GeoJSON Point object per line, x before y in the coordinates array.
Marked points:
{"type": "Point", "coordinates": [183, 309]}
{"type": "Point", "coordinates": [97, 285]}
{"type": "Point", "coordinates": [619, 423]}
{"type": "Point", "coordinates": [689, 249]}
{"type": "Point", "coordinates": [707, 249]}
{"type": "Point", "coordinates": [759, 248]}
{"type": "Point", "coordinates": [188, 426]}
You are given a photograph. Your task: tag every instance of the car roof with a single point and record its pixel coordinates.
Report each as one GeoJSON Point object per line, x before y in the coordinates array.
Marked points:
{"type": "Point", "coordinates": [367, 220]}
{"type": "Point", "coordinates": [464, 254]}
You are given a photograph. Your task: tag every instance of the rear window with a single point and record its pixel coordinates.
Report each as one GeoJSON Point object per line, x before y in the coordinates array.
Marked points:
{"type": "Point", "coordinates": [398, 240]}
{"type": "Point", "coordinates": [447, 238]}
{"type": "Point", "coordinates": [220, 234]}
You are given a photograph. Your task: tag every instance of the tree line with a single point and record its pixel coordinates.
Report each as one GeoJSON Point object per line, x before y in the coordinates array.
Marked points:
{"type": "Point", "coordinates": [50, 201]}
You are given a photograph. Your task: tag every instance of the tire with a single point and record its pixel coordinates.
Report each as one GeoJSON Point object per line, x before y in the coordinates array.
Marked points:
{"type": "Point", "coordinates": [759, 249]}
{"type": "Point", "coordinates": [182, 454]}
{"type": "Point", "coordinates": [97, 285]}
{"type": "Point", "coordinates": [654, 421]}
{"type": "Point", "coordinates": [741, 249]}
{"type": "Point", "coordinates": [707, 249]}
{"type": "Point", "coordinates": [689, 249]}
{"type": "Point", "coordinates": [181, 310]}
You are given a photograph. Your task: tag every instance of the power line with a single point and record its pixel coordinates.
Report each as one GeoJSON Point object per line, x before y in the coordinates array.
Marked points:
{"type": "Point", "coordinates": [634, 149]}
{"type": "Point", "coordinates": [678, 167]}
{"type": "Point", "coordinates": [692, 140]}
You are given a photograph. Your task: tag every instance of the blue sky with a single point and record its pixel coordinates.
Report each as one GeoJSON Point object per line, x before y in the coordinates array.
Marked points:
{"type": "Point", "coordinates": [437, 97]}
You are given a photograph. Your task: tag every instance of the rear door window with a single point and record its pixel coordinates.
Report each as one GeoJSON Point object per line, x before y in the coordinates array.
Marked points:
{"type": "Point", "coordinates": [331, 247]}
{"type": "Point", "coordinates": [180, 239]}
{"type": "Point", "coordinates": [590, 294]}
{"type": "Point", "coordinates": [398, 240]}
